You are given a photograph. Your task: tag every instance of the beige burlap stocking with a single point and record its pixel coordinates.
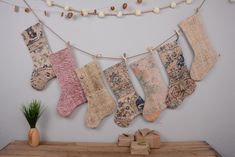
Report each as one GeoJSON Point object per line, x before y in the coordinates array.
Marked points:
{"type": "Point", "coordinates": [205, 56]}
{"type": "Point", "coordinates": [100, 102]}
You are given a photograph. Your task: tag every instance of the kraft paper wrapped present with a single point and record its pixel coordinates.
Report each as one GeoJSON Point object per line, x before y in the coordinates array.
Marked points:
{"type": "Point", "coordinates": [140, 148]}
{"type": "Point", "coordinates": [124, 140]}
{"type": "Point", "coordinates": [152, 137]}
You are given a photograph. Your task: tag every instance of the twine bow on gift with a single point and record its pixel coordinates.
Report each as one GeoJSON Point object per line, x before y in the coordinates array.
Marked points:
{"type": "Point", "coordinates": [145, 144]}
{"type": "Point", "coordinates": [142, 143]}
{"type": "Point", "coordinates": [126, 135]}
{"type": "Point", "coordinates": [145, 132]}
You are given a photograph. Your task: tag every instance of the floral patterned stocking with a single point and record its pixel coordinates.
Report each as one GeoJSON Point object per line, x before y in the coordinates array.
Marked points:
{"type": "Point", "coordinates": [130, 104]}
{"type": "Point", "coordinates": [38, 48]}
{"type": "Point", "coordinates": [148, 74]}
{"type": "Point", "coordinates": [100, 103]}
{"type": "Point", "coordinates": [180, 83]}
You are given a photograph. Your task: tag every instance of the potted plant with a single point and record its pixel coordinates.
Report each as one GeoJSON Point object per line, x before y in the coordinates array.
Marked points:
{"type": "Point", "coordinates": [32, 113]}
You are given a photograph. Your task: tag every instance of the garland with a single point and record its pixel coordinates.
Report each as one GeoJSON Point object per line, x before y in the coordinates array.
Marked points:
{"type": "Point", "coordinates": [69, 12]}
{"type": "Point", "coordinates": [114, 11]}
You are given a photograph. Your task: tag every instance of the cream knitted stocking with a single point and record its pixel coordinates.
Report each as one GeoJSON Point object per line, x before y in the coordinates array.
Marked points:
{"type": "Point", "coordinates": [100, 103]}
{"type": "Point", "coordinates": [205, 56]}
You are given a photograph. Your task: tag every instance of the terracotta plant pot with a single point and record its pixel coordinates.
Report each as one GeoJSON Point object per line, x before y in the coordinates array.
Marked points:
{"type": "Point", "coordinates": [33, 137]}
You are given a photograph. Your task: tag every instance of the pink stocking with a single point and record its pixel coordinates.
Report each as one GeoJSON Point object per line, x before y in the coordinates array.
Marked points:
{"type": "Point", "coordinates": [71, 91]}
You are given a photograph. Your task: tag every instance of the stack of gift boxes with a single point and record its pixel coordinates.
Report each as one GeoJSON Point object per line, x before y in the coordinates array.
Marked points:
{"type": "Point", "coordinates": [141, 142]}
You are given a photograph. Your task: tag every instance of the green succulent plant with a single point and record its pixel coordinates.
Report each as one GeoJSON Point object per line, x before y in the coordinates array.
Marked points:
{"type": "Point", "coordinates": [32, 112]}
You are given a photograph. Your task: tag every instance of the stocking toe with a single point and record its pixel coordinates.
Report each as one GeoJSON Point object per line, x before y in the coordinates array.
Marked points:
{"type": "Point", "coordinates": [152, 116]}
{"type": "Point", "coordinates": [40, 77]}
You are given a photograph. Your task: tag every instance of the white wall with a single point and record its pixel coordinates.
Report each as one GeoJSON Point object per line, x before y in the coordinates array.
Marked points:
{"type": "Point", "coordinates": [206, 115]}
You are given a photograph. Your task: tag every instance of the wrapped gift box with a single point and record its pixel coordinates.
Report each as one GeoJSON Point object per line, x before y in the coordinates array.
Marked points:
{"type": "Point", "coordinates": [152, 137]}
{"type": "Point", "coordinates": [140, 148]}
{"type": "Point", "coordinates": [125, 140]}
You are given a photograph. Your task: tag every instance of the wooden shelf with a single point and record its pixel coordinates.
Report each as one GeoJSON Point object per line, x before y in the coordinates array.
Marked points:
{"type": "Point", "coordinates": [82, 149]}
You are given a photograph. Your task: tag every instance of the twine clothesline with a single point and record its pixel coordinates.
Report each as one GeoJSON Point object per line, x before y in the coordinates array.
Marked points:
{"type": "Point", "coordinates": [176, 34]}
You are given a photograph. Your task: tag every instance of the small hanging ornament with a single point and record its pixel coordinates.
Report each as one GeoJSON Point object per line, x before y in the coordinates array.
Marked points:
{"type": "Point", "coordinates": [67, 8]}
{"type": "Point", "coordinates": [16, 8]}
{"type": "Point", "coordinates": [49, 3]}
{"type": "Point", "coordinates": [188, 1]}
{"type": "Point", "coordinates": [125, 5]}
{"type": "Point", "coordinates": [139, 1]}
{"type": "Point", "coordinates": [101, 14]}
{"type": "Point", "coordinates": [27, 10]}
{"type": "Point", "coordinates": [112, 8]}
{"type": "Point", "coordinates": [119, 14]}
{"type": "Point", "coordinates": [95, 11]}
{"type": "Point", "coordinates": [69, 15]}
{"type": "Point", "coordinates": [61, 14]}
{"type": "Point", "coordinates": [83, 13]}
{"type": "Point", "coordinates": [138, 12]}
{"type": "Point", "coordinates": [156, 10]}
{"type": "Point", "coordinates": [173, 5]}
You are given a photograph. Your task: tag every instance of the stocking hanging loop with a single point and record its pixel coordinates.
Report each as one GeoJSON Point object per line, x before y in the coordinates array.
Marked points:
{"type": "Point", "coordinates": [150, 50]}
{"type": "Point", "coordinates": [177, 35]}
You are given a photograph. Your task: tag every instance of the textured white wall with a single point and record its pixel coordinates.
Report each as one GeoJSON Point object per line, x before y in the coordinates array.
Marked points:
{"type": "Point", "coordinates": [206, 115]}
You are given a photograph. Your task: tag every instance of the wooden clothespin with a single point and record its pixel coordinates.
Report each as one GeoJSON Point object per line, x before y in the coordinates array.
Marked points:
{"type": "Point", "coordinates": [45, 13]}
{"type": "Point", "coordinates": [68, 44]}
{"type": "Point", "coordinates": [16, 8]}
{"type": "Point", "coordinates": [97, 56]}
{"type": "Point", "coordinates": [124, 57]}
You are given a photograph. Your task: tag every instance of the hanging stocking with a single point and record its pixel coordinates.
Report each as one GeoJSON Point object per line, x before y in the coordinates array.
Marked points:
{"type": "Point", "coordinates": [100, 103]}
{"type": "Point", "coordinates": [205, 56]}
{"type": "Point", "coordinates": [180, 83]}
{"type": "Point", "coordinates": [37, 45]}
{"type": "Point", "coordinates": [71, 91]}
{"type": "Point", "coordinates": [148, 74]}
{"type": "Point", "coordinates": [130, 104]}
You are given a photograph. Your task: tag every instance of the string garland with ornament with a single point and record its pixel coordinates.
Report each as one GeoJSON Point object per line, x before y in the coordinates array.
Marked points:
{"type": "Point", "coordinates": [85, 84]}
{"type": "Point", "coordinates": [115, 10]}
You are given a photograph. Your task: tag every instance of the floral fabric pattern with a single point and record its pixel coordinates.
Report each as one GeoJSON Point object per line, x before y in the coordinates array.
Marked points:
{"type": "Point", "coordinates": [148, 74]}
{"type": "Point", "coordinates": [37, 44]}
{"type": "Point", "coordinates": [130, 104]}
{"type": "Point", "coordinates": [180, 83]}
{"type": "Point", "coordinates": [100, 102]}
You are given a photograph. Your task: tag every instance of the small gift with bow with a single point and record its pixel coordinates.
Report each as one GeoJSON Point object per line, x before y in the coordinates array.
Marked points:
{"type": "Point", "coordinates": [152, 137]}
{"type": "Point", "coordinates": [140, 148]}
{"type": "Point", "coordinates": [124, 140]}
